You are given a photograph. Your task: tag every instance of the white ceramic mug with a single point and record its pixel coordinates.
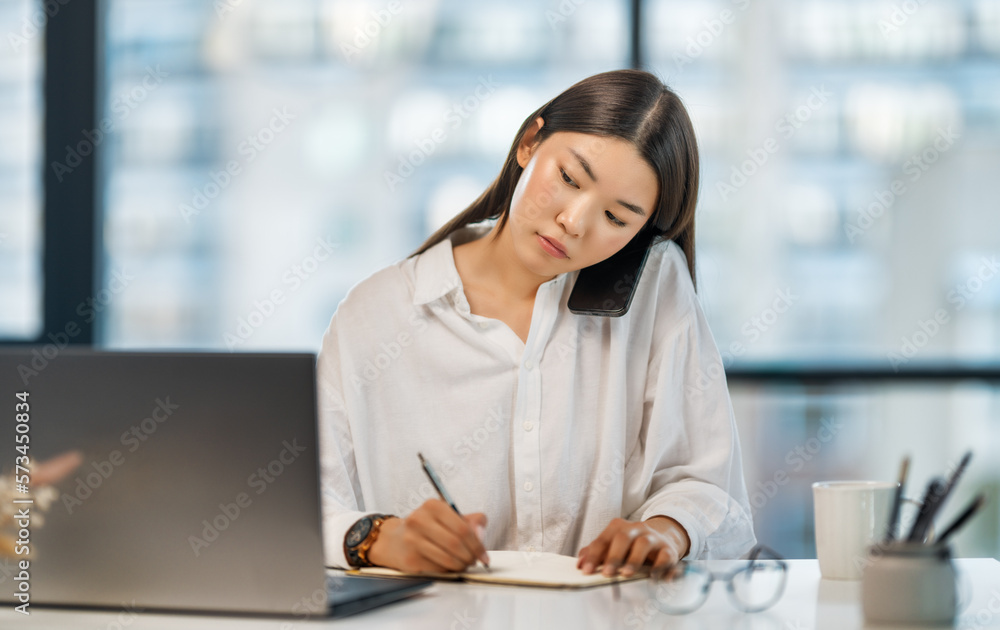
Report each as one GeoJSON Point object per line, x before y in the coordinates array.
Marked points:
{"type": "Point", "coordinates": [850, 516]}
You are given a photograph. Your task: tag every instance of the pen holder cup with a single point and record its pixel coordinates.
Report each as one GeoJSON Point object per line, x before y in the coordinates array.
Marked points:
{"type": "Point", "coordinates": [909, 583]}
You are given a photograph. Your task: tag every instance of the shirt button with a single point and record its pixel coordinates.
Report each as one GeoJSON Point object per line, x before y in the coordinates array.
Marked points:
{"type": "Point", "coordinates": [528, 486]}
{"type": "Point", "coordinates": [484, 324]}
{"type": "Point", "coordinates": [528, 365]}
{"type": "Point", "coordinates": [528, 426]}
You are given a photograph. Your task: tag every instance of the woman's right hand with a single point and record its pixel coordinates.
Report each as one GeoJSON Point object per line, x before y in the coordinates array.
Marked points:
{"type": "Point", "coordinates": [433, 538]}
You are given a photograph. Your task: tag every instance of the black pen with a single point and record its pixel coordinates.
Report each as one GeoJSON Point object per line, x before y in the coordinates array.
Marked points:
{"type": "Point", "coordinates": [932, 495]}
{"type": "Point", "coordinates": [935, 499]}
{"type": "Point", "coordinates": [965, 516]}
{"type": "Point", "coordinates": [955, 475]}
{"type": "Point", "coordinates": [441, 491]}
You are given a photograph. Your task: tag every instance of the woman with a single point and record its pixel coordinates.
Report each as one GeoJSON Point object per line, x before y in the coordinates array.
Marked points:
{"type": "Point", "coordinates": [579, 434]}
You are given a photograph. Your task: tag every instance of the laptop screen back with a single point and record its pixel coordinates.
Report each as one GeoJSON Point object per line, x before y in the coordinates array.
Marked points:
{"type": "Point", "coordinates": [196, 486]}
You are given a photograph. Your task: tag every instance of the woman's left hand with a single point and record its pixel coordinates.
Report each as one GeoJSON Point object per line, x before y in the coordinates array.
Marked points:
{"type": "Point", "coordinates": [626, 545]}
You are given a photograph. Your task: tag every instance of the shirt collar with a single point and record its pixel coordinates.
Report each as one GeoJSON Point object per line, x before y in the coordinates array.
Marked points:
{"type": "Point", "coordinates": [435, 274]}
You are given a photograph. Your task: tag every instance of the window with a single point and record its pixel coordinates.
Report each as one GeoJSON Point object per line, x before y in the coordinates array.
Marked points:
{"type": "Point", "coordinates": [22, 23]}
{"type": "Point", "coordinates": [281, 151]}
{"type": "Point", "coordinates": [847, 206]}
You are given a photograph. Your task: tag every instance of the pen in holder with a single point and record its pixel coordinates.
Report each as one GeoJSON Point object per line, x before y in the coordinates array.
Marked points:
{"type": "Point", "coordinates": [908, 582]}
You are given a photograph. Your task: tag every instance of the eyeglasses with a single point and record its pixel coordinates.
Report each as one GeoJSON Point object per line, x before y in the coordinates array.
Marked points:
{"type": "Point", "coordinates": [753, 587]}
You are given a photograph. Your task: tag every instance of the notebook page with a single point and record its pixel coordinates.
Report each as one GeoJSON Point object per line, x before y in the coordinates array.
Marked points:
{"type": "Point", "coordinates": [536, 569]}
{"type": "Point", "coordinates": [519, 568]}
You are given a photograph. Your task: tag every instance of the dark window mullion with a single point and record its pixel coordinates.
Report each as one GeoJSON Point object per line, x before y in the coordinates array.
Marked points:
{"type": "Point", "coordinates": [70, 171]}
{"type": "Point", "coordinates": [635, 35]}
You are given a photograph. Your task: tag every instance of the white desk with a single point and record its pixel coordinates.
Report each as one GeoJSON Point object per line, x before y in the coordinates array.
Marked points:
{"type": "Point", "coordinates": [809, 603]}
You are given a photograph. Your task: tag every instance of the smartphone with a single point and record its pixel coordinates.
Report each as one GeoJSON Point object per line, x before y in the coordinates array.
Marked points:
{"type": "Point", "coordinates": [606, 289]}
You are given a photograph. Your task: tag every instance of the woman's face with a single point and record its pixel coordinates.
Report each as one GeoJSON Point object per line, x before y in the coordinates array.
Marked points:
{"type": "Point", "coordinates": [579, 200]}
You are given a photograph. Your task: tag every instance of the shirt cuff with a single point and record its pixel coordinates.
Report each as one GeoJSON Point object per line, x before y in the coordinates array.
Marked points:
{"type": "Point", "coordinates": [335, 527]}
{"type": "Point", "coordinates": [688, 522]}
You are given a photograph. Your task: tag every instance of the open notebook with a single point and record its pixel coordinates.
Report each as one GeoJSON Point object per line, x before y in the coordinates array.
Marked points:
{"type": "Point", "coordinates": [518, 568]}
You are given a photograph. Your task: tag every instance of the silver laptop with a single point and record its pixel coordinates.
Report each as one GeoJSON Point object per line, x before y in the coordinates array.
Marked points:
{"type": "Point", "coordinates": [188, 481]}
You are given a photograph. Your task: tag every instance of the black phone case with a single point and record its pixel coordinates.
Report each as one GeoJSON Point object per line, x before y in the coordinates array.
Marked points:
{"type": "Point", "coordinates": [606, 289]}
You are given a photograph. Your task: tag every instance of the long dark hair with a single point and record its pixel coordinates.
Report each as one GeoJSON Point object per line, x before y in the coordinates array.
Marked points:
{"type": "Point", "coordinates": [632, 105]}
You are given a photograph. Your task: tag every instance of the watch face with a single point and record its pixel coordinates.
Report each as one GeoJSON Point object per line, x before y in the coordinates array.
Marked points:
{"type": "Point", "coordinates": [359, 532]}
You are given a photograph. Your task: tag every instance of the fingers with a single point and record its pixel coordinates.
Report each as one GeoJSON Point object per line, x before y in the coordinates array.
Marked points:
{"type": "Point", "coordinates": [435, 550]}
{"type": "Point", "coordinates": [444, 538]}
{"type": "Point", "coordinates": [593, 555]}
{"type": "Point", "coordinates": [667, 559]}
{"type": "Point", "coordinates": [626, 546]}
{"type": "Point", "coordinates": [644, 545]}
{"type": "Point", "coordinates": [624, 540]}
{"type": "Point", "coordinates": [433, 538]}
{"type": "Point", "coordinates": [477, 522]}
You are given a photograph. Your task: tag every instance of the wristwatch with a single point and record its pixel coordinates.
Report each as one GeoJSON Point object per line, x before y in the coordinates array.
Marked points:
{"type": "Point", "coordinates": [360, 538]}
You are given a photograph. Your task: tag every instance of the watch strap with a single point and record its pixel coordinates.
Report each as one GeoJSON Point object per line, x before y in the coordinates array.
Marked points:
{"type": "Point", "coordinates": [357, 555]}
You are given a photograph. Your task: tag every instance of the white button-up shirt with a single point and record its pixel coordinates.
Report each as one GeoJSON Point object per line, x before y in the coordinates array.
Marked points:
{"type": "Point", "coordinates": [590, 419]}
